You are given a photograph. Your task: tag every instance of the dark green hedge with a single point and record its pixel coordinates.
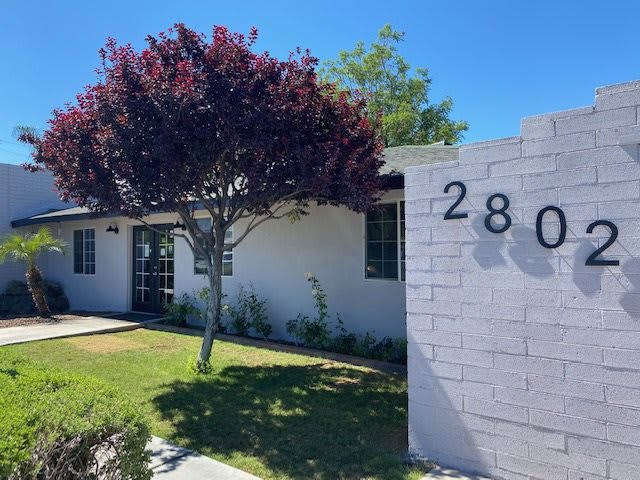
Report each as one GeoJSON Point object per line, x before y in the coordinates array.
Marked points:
{"type": "Point", "coordinates": [55, 425]}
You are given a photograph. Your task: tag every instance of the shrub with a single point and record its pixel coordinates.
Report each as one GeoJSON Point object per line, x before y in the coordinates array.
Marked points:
{"type": "Point", "coordinates": [178, 310]}
{"type": "Point", "coordinates": [312, 332]}
{"type": "Point", "coordinates": [54, 425]}
{"type": "Point", "coordinates": [249, 312]}
{"type": "Point", "coordinates": [315, 333]}
{"type": "Point", "coordinates": [345, 342]}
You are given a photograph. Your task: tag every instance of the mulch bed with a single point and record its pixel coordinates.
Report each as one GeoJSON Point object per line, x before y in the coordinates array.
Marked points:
{"type": "Point", "coordinates": [34, 320]}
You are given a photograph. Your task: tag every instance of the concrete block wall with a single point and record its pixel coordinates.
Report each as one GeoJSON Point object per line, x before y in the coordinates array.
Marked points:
{"type": "Point", "coordinates": [524, 363]}
{"type": "Point", "coordinates": [22, 194]}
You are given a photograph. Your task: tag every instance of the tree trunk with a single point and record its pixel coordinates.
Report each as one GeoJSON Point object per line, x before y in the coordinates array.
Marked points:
{"type": "Point", "coordinates": [214, 307]}
{"type": "Point", "coordinates": [36, 287]}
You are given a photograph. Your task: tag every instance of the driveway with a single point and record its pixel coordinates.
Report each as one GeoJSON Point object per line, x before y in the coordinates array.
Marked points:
{"type": "Point", "coordinates": [64, 328]}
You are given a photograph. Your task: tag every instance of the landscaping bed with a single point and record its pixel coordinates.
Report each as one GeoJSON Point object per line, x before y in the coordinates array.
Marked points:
{"type": "Point", "coordinates": [35, 320]}
{"type": "Point", "coordinates": [276, 415]}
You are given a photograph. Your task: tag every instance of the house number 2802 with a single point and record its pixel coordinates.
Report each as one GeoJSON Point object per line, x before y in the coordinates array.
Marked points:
{"type": "Point", "coordinates": [497, 205]}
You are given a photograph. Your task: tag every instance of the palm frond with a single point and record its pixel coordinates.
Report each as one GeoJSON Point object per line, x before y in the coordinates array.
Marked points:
{"type": "Point", "coordinates": [25, 247]}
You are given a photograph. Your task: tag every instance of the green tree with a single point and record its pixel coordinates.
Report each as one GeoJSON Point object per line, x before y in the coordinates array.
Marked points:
{"type": "Point", "coordinates": [402, 97]}
{"type": "Point", "coordinates": [26, 248]}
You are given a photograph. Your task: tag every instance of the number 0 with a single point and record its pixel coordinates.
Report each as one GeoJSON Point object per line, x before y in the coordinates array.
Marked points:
{"type": "Point", "coordinates": [563, 227]}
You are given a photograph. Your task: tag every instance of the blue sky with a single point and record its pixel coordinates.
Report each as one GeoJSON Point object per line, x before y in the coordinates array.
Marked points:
{"type": "Point", "coordinates": [498, 60]}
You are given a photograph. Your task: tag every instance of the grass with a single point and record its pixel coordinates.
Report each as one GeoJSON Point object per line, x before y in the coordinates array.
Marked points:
{"type": "Point", "coordinates": [276, 415]}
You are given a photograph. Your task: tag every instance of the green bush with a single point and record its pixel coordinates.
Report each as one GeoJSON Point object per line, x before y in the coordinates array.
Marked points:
{"type": "Point", "coordinates": [312, 332]}
{"type": "Point", "coordinates": [55, 425]}
{"type": "Point", "coordinates": [179, 310]}
{"type": "Point", "coordinates": [315, 333]}
{"type": "Point", "coordinates": [249, 312]}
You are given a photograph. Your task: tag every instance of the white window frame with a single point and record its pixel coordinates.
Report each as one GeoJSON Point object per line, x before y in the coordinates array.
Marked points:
{"type": "Point", "coordinates": [229, 253]}
{"type": "Point", "coordinates": [86, 270]}
{"type": "Point", "coordinates": [399, 225]}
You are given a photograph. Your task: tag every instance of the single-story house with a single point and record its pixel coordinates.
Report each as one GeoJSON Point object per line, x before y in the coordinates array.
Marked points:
{"type": "Point", "coordinates": [118, 264]}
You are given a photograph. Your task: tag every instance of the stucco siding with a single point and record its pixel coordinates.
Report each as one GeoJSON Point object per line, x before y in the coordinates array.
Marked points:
{"type": "Point", "coordinates": [329, 242]}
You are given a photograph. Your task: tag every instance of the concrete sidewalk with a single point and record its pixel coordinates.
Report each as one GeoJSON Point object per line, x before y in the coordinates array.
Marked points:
{"type": "Point", "coordinates": [440, 473]}
{"type": "Point", "coordinates": [64, 328]}
{"type": "Point", "coordinates": [170, 462]}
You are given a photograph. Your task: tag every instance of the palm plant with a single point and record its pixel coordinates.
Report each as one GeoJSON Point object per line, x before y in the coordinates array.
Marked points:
{"type": "Point", "coordinates": [26, 248]}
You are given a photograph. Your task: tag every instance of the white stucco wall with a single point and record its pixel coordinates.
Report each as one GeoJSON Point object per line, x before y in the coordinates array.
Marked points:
{"type": "Point", "coordinates": [274, 258]}
{"type": "Point", "coordinates": [22, 194]}
{"type": "Point", "coordinates": [524, 363]}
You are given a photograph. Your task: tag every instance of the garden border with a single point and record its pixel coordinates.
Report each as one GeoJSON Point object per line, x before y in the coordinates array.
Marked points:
{"type": "Point", "coordinates": [379, 365]}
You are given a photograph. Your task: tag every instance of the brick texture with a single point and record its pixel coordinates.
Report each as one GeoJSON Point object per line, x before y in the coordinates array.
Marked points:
{"type": "Point", "coordinates": [22, 194]}
{"type": "Point", "coordinates": [524, 363]}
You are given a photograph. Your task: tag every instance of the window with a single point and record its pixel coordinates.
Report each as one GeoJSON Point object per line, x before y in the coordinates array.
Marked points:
{"type": "Point", "coordinates": [385, 242]}
{"type": "Point", "coordinates": [84, 251]}
{"type": "Point", "coordinates": [200, 264]}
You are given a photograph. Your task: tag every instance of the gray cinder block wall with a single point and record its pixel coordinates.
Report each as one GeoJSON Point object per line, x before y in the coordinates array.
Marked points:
{"type": "Point", "coordinates": [22, 194]}
{"type": "Point", "coordinates": [524, 363]}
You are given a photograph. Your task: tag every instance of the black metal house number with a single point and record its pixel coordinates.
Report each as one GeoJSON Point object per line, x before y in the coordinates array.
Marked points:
{"type": "Point", "coordinates": [497, 205]}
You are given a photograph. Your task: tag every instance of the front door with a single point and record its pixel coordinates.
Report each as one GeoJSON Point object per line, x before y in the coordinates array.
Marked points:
{"type": "Point", "coordinates": [153, 267]}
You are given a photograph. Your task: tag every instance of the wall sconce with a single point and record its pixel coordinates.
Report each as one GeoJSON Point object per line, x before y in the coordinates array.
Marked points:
{"type": "Point", "coordinates": [113, 228]}
{"type": "Point", "coordinates": [179, 225]}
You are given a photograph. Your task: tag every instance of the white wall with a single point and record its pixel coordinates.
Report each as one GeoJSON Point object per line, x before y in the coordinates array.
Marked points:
{"type": "Point", "coordinates": [274, 258]}
{"type": "Point", "coordinates": [22, 194]}
{"type": "Point", "coordinates": [524, 363]}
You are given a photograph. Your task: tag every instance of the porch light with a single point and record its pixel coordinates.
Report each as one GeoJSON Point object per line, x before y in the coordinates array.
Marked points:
{"type": "Point", "coordinates": [113, 228]}
{"type": "Point", "coordinates": [179, 225]}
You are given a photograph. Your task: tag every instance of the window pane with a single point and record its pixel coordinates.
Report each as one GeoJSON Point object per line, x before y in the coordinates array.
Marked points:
{"type": "Point", "coordinates": [200, 266]}
{"type": "Point", "coordinates": [389, 231]}
{"type": "Point", "coordinates": [374, 250]}
{"type": "Point", "coordinates": [374, 270]}
{"type": "Point", "coordinates": [391, 270]}
{"type": "Point", "coordinates": [390, 212]}
{"type": "Point", "coordinates": [374, 231]}
{"type": "Point", "coordinates": [382, 242]}
{"type": "Point", "coordinates": [78, 251]}
{"type": "Point", "coordinates": [402, 271]}
{"type": "Point", "coordinates": [227, 269]}
{"type": "Point", "coordinates": [390, 251]}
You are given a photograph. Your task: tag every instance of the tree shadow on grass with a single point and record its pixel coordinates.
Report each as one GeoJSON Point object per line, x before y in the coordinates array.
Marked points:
{"type": "Point", "coordinates": [318, 421]}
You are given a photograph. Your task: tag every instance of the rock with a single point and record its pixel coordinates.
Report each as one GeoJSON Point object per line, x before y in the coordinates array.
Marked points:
{"type": "Point", "coordinates": [17, 299]}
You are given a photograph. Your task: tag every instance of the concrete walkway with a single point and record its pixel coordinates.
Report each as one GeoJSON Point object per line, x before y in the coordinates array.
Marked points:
{"type": "Point", "coordinates": [64, 328]}
{"type": "Point", "coordinates": [439, 473]}
{"type": "Point", "coordinates": [170, 462]}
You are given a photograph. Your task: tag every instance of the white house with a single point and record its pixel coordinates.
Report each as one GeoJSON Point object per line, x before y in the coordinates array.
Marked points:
{"type": "Point", "coordinates": [117, 264]}
{"type": "Point", "coordinates": [21, 194]}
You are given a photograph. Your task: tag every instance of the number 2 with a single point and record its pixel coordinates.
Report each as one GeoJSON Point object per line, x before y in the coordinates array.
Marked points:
{"type": "Point", "coordinates": [593, 260]}
{"type": "Point", "coordinates": [451, 215]}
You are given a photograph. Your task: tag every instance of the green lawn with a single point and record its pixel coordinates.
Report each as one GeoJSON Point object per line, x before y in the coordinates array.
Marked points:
{"type": "Point", "coordinates": [276, 415]}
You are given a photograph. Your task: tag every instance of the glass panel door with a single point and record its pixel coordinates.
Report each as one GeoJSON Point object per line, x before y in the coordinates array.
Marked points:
{"type": "Point", "coordinates": [165, 268]}
{"type": "Point", "coordinates": [153, 268]}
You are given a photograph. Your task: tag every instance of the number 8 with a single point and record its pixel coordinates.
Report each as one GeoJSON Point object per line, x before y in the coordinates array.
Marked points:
{"type": "Point", "coordinates": [497, 211]}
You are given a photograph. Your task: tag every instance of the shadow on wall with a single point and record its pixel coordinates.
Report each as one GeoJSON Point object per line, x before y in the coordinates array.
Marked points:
{"type": "Point", "coordinates": [630, 301]}
{"type": "Point", "coordinates": [440, 431]}
{"type": "Point", "coordinates": [312, 421]}
{"type": "Point", "coordinates": [530, 257]}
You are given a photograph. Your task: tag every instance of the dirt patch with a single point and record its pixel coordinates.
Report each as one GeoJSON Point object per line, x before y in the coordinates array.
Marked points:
{"type": "Point", "coordinates": [35, 320]}
{"type": "Point", "coordinates": [104, 343]}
